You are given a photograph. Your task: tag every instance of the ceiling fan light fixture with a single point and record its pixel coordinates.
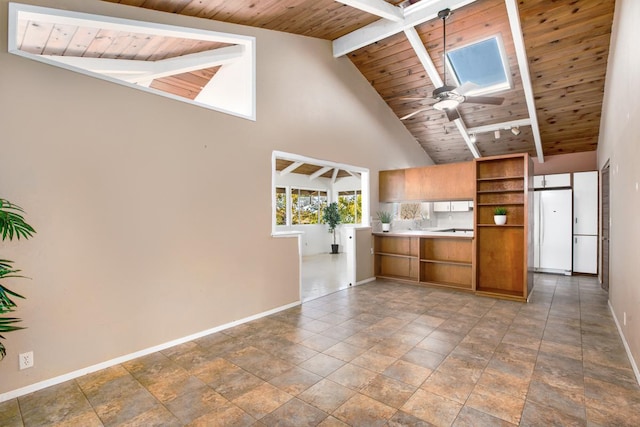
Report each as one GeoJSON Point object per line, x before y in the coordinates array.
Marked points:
{"type": "Point", "coordinates": [472, 138]}
{"type": "Point", "coordinates": [496, 134]}
{"type": "Point", "coordinates": [515, 130]}
{"type": "Point", "coordinates": [446, 104]}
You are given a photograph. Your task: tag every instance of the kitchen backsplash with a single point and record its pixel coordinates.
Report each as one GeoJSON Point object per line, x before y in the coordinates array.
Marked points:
{"type": "Point", "coordinates": [453, 219]}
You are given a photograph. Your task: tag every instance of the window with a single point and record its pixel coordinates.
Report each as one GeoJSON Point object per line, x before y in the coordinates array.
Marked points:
{"type": "Point", "coordinates": [307, 206]}
{"type": "Point", "coordinates": [483, 63]}
{"type": "Point", "coordinates": [209, 69]}
{"type": "Point", "coordinates": [350, 206]}
{"type": "Point", "coordinates": [281, 206]}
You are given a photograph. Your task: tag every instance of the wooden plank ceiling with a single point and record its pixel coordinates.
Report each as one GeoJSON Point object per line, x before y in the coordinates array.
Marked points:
{"type": "Point", "coordinates": [309, 169]}
{"type": "Point", "coordinates": [566, 44]}
{"type": "Point", "coordinates": [57, 39]}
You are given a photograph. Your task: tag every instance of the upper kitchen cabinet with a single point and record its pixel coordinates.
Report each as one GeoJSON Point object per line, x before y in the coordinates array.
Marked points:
{"type": "Point", "coordinates": [457, 206]}
{"type": "Point", "coordinates": [454, 181]}
{"type": "Point", "coordinates": [391, 185]}
{"type": "Point", "coordinates": [559, 180]}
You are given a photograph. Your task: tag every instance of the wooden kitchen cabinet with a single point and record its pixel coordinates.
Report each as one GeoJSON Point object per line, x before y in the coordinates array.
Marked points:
{"type": "Point", "coordinates": [504, 253]}
{"type": "Point", "coordinates": [397, 257]}
{"type": "Point", "coordinates": [391, 185]}
{"type": "Point", "coordinates": [454, 181]}
{"type": "Point", "coordinates": [447, 262]}
{"type": "Point", "coordinates": [439, 261]}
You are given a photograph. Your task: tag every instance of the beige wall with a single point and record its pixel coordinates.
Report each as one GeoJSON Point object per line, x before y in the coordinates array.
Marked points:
{"type": "Point", "coordinates": [620, 145]}
{"type": "Point", "coordinates": [153, 216]}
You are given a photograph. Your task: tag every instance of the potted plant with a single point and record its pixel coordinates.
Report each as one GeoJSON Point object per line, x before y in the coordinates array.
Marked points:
{"type": "Point", "coordinates": [331, 216]}
{"type": "Point", "coordinates": [500, 215]}
{"type": "Point", "coordinates": [12, 224]}
{"type": "Point", "coordinates": [385, 219]}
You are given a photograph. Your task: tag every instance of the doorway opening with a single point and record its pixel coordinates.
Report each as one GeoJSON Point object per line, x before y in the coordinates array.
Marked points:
{"type": "Point", "coordinates": [302, 188]}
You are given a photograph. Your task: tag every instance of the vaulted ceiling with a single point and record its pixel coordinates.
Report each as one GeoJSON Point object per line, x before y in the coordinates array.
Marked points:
{"type": "Point", "coordinates": [557, 54]}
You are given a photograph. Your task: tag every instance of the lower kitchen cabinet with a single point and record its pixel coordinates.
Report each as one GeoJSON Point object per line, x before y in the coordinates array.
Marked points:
{"type": "Point", "coordinates": [440, 261]}
{"type": "Point", "coordinates": [585, 254]}
{"type": "Point", "coordinates": [447, 262]}
{"type": "Point", "coordinates": [397, 257]}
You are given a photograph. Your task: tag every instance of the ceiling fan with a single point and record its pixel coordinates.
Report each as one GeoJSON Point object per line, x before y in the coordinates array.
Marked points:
{"type": "Point", "coordinates": [449, 97]}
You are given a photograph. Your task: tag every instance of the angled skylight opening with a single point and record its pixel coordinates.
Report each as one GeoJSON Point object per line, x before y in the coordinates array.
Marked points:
{"type": "Point", "coordinates": [206, 68]}
{"type": "Point", "coordinates": [482, 63]}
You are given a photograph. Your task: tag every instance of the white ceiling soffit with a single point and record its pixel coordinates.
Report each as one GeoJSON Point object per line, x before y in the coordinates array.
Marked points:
{"type": "Point", "coordinates": [423, 11]}
{"type": "Point", "coordinates": [138, 74]}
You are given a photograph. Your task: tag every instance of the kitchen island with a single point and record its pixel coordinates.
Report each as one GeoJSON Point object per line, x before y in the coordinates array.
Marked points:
{"type": "Point", "coordinates": [436, 257]}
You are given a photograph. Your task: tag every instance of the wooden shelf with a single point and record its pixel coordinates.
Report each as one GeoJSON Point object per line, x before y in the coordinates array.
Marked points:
{"type": "Point", "coordinates": [435, 261]}
{"type": "Point", "coordinates": [502, 251]}
{"type": "Point", "coordinates": [501, 204]}
{"type": "Point", "coordinates": [503, 225]}
{"type": "Point", "coordinates": [499, 191]}
{"type": "Point", "coordinates": [428, 260]}
{"type": "Point", "coordinates": [501, 178]}
{"type": "Point", "coordinates": [395, 255]}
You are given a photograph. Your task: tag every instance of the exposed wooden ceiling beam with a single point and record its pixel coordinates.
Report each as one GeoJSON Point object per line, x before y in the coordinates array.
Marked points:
{"type": "Point", "coordinates": [134, 71]}
{"type": "Point", "coordinates": [521, 55]}
{"type": "Point", "coordinates": [500, 126]}
{"type": "Point", "coordinates": [467, 139]}
{"type": "Point", "coordinates": [319, 172]}
{"type": "Point", "coordinates": [383, 28]}
{"type": "Point", "coordinates": [293, 166]}
{"type": "Point", "coordinates": [335, 175]}
{"type": "Point", "coordinates": [377, 7]}
{"type": "Point", "coordinates": [423, 56]}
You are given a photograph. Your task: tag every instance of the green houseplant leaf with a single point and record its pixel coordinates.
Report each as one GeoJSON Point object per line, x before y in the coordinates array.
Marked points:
{"type": "Point", "coordinates": [500, 211]}
{"type": "Point", "coordinates": [331, 216]}
{"type": "Point", "coordinates": [12, 224]}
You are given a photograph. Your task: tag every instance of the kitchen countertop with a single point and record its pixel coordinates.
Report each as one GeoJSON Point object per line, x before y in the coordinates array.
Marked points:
{"type": "Point", "coordinates": [463, 233]}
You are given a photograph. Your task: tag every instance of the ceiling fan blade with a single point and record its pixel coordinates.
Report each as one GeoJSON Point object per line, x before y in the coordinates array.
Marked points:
{"type": "Point", "coordinates": [452, 114]}
{"type": "Point", "coordinates": [484, 100]}
{"type": "Point", "coordinates": [414, 113]}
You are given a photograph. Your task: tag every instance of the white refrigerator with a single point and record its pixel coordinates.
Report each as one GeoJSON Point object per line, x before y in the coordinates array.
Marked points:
{"type": "Point", "coordinates": [553, 231]}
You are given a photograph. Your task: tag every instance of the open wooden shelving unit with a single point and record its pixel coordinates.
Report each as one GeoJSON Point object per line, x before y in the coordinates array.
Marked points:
{"type": "Point", "coordinates": [439, 261]}
{"type": "Point", "coordinates": [447, 262]}
{"type": "Point", "coordinates": [503, 255]}
{"type": "Point", "coordinates": [396, 257]}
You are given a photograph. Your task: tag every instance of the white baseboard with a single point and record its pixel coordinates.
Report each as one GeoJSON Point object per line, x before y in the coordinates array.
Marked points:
{"type": "Point", "coordinates": [103, 365]}
{"type": "Point", "coordinates": [362, 282]}
{"type": "Point", "coordinates": [626, 345]}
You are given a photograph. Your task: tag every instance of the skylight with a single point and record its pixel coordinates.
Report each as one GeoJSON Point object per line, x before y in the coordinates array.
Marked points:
{"type": "Point", "coordinates": [482, 63]}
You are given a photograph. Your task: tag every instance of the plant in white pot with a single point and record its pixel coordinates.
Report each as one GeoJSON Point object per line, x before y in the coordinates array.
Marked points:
{"type": "Point", "coordinates": [385, 219]}
{"type": "Point", "coordinates": [500, 215]}
{"type": "Point", "coordinates": [331, 216]}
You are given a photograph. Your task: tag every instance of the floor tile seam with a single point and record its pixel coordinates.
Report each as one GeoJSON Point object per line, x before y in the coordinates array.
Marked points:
{"type": "Point", "coordinates": [94, 409]}
{"type": "Point", "coordinates": [20, 407]}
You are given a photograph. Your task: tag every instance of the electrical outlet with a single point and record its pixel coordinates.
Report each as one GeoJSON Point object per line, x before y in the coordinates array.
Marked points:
{"type": "Point", "coordinates": [26, 360]}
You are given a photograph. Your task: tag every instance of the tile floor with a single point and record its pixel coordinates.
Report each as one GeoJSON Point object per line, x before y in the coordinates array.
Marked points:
{"type": "Point", "coordinates": [378, 354]}
{"type": "Point", "coordinates": [323, 274]}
